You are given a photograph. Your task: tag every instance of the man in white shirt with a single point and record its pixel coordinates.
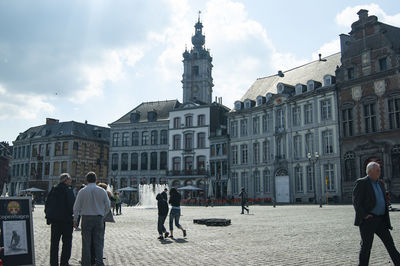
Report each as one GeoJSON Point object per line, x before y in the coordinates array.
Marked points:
{"type": "Point", "coordinates": [92, 204]}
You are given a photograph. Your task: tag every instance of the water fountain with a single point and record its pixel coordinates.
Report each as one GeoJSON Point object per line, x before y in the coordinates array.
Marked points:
{"type": "Point", "coordinates": [147, 195]}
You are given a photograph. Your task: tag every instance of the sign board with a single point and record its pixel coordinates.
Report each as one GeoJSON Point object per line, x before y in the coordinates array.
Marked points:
{"type": "Point", "coordinates": [17, 231]}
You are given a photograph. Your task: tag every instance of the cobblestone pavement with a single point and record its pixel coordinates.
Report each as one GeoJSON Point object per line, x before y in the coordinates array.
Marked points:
{"type": "Point", "coordinates": [285, 235]}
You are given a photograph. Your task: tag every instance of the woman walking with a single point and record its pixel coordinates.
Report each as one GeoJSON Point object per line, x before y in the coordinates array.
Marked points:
{"type": "Point", "coordinates": [175, 213]}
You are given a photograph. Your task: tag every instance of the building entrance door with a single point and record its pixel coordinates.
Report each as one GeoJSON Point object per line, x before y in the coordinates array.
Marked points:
{"type": "Point", "coordinates": [282, 189]}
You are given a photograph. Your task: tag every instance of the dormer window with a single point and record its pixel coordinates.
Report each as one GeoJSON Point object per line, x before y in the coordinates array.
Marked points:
{"type": "Point", "coordinates": [260, 100]}
{"type": "Point", "coordinates": [248, 103]}
{"type": "Point", "coordinates": [329, 80]}
{"type": "Point", "coordinates": [152, 116]}
{"type": "Point", "coordinates": [268, 96]}
{"type": "Point", "coordinates": [238, 105]}
{"type": "Point", "coordinates": [280, 87]}
{"type": "Point", "coordinates": [134, 118]}
{"type": "Point", "coordinates": [300, 88]}
{"type": "Point", "coordinates": [310, 85]}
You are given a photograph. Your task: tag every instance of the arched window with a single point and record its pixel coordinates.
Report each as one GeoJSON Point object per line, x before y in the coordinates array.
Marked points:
{"type": "Point", "coordinates": [135, 138]}
{"type": "Point", "coordinates": [154, 137]}
{"type": "Point", "coordinates": [176, 164]}
{"type": "Point", "coordinates": [114, 162]}
{"type": "Point", "coordinates": [143, 161]}
{"type": "Point", "coordinates": [164, 137]}
{"type": "Point", "coordinates": [349, 167]}
{"type": "Point", "coordinates": [134, 161]}
{"type": "Point", "coordinates": [267, 181]}
{"type": "Point", "coordinates": [163, 160]}
{"type": "Point", "coordinates": [124, 162]}
{"type": "Point", "coordinates": [153, 161]}
{"type": "Point", "coordinates": [257, 186]}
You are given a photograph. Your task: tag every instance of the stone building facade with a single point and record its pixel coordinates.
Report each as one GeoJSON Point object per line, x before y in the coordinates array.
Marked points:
{"type": "Point", "coordinates": [369, 102]}
{"type": "Point", "coordinates": [139, 145]}
{"type": "Point", "coordinates": [277, 123]}
{"type": "Point", "coordinates": [5, 158]}
{"type": "Point", "coordinates": [43, 152]}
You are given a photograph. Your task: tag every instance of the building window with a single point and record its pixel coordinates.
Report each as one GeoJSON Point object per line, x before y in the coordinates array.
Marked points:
{"type": "Point", "coordinates": [394, 113]}
{"type": "Point", "coordinates": [195, 70]}
{"type": "Point", "coordinates": [57, 150]}
{"type": "Point", "coordinates": [234, 129]}
{"type": "Point", "coordinates": [201, 120]}
{"type": "Point", "coordinates": [177, 142]}
{"type": "Point", "coordinates": [280, 119]}
{"type": "Point", "coordinates": [267, 181]}
{"type": "Point", "coordinates": [235, 183]}
{"type": "Point", "coordinates": [298, 175]}
{"type": "Point", "coordinates": [56, 169]}
{"type": "Point", "coordinates": [329, 177]}
{"type": "Point", "coordinates": [201, 164]}
{"type": "Point", "coordinates": [177, 122]}
{"type": "Point", "coordinates": [308, 114]}
{"type": "Point", "coordinates": [350, 73]}
{"type": "Point", "coordinates": [310, 180]}
{"type": "Point", "coordinates": [266, 151]}
{"type": "Point", "coordinates": [154, 137]}
{"type": "Point", "coordinates": [257, 184]}
{"type": "Point", "coordinates": [243, 127]}
{"type": "Point", "coordinates": [114, 162]}
{"type": "Point", "coordinates": [244, 181]}
{"type": "Point", "coordinates": [224, 149]}
{"type": "Point", "coordinates": [218, 150]}
{"type": "Point", "coordinates": [280, 147]}
{"type": "Point", "coordinates": [296, 116]}
{"type": "Point", "coordinates": [115, 139]}
{"type": "Point", "coordinates": [370, 117]}
{"type": "Point", "coordinates": [347, 122]}
{"type": "Point", "coordinates": [164, 137]}
{"type": "Point", "coordinates": [243, 151]}
{"type": "Point", "coordinates": [256, 153]}
{"type": "Point", "coordinates": [124, 162]}
{"type": "Point", "coordinates": [47, 169]}
{"type": "Point", "coordinates": [163, 160]}
{"type": "Point", "coordinates": [189, 164]}
{"type": "Point", "coordinates": [349, 166]}
{"type": "Point", "coordinates": [327, 141]}
{"type": "Point", "coordinates": [145, 138]}
{"type": "Point", "coordinates": [365, 58]}
{"type": "Point", "coordinates": [189, 121]}
{"type": "Point", "coordinates": [176, 164]}
{"type": "Point", "coordinates": [309, 145]}
{"type": "Point", "coordinates": [234, 155]}
{"type": "Point", "coordinates": [297, 146]}
{"type": "Point", "coordinates": [383, 64]}
{"type": "Point", "coordinates": [188, 141]}
{"type": "Point", "coordinates": [153, 161]}
{"type": "Point", "coordinates": [267, 122]}
{"type": "Point", "coordinates": [256, 125]}
{"type": "Point", "coordinates": [326, 110]}
{"type": "Point", "coordinates": [134, 161]}
{"type": "Point", "coordinates": [143, 161]}
{"type": "Point", "coordinates": [201, 140]}
{"type": "Point", "coordinates": [135, 138]}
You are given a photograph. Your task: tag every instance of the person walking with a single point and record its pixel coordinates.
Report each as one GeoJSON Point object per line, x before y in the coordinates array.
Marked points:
{"type": "Point", "coordinates": [372, 214]}
{"type": "Point", "coordinates": [58, 209]}
{"type": "Point", "coordinates": [243, 197]}
{"type": "Point", "coordinates": [162, 206]}
{"type": "Point", "coordinates": [175, 213]}
{"type": "Point", "coordinates": [92, 204]}
{"type": "Point", "coordinates": [118, 203]}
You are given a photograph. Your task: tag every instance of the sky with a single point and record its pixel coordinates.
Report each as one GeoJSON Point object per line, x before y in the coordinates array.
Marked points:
{"type": "Point", "coordinates": [96, 60]}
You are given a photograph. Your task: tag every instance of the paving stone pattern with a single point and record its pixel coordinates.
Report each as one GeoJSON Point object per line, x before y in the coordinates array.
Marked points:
{"type": "Point", "coordinates": [285, 235]}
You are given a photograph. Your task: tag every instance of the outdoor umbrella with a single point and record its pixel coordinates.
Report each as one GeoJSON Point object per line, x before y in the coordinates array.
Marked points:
{"type": "Point", "coordinates": [128, 189]}
{"type": "Point", "coordinates": [189, 188]}
{"type": "Point", "coordinates": [33, 189]}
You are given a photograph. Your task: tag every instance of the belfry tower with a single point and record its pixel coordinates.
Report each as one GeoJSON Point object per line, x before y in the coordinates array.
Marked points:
{"type": "Point", "coordinates": [197, 79]}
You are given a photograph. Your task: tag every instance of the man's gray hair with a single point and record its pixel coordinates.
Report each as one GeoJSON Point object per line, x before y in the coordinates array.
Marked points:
{"type": "Point", "coordinates": [370, 166]}
{"type": "Point", "coordinates": [64, 177]}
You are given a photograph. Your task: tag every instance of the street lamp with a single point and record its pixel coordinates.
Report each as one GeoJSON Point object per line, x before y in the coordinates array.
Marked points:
{"type": "Point", "coordinates": [313, 160]}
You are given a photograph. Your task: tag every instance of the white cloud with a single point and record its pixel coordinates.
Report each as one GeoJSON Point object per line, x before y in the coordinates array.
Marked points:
{"type": "Point", "coordinates": [22, 106]}
{"type": "Point", "coordinates": [349, 15]}
{"type": "Point", "coordinates": [328, 48]}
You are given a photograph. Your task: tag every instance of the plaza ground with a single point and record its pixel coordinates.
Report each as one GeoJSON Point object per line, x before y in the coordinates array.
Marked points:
{"type": "Point", "coordinates": [285, 235]}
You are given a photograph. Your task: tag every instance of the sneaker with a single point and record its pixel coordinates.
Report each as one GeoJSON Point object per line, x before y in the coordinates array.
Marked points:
{"type": "Point", "coordinates": [160, 238]}
{"type": "Point", "coordinates": [166, 234]}
{"type": "Point", "coordinates": [184, 233]}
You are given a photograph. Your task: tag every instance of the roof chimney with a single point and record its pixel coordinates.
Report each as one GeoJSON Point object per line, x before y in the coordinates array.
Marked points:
{"type": "Point", "coordinates": [51, 121]}
{"type": "Point", "coordinates": [280, 73]}
{"type": "Point", "coordinates": [362, 14]}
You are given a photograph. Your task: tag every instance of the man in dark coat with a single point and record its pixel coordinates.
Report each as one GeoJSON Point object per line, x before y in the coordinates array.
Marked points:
{"type": "Point", "coordinates": [163, 209]}
{"type": "Point", "coordinates": [243, 197]}
{"type": "Point", "coordinates": [59, 210]}
{"type": "Point", "coordinates": [372, 214]}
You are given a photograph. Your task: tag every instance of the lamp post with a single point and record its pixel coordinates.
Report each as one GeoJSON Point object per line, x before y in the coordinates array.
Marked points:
{"type": "Point", "coordinates": [313, 161]}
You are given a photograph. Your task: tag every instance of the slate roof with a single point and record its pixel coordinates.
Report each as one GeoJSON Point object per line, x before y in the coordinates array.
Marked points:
{"type": "Point", "coordinates": [161, 107]}
{"type": "Point", "coordinates": [64, 129]}
{"type": "Point", "coordinates": [315, 70]}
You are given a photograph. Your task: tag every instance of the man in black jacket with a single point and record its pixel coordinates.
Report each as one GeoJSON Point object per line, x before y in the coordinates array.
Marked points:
{"type": "Point", "coordinates": [372, 214]}
{"type": "Point", "coordinates": [163, 209]}
{"type": "Point", "coordinates": [59, 210]}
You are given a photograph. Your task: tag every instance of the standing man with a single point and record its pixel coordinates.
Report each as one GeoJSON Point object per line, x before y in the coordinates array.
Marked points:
{"type": "Point", "coordinates": [243, 197]}
{"type": "Point", "coordinates": [372, 214]}
{"type": "Point", "coordinates": [92, 204]}
{"type": "Point", "coordinates": [58, 210]}
{"type": "Point", "coordinates": [164, 194]}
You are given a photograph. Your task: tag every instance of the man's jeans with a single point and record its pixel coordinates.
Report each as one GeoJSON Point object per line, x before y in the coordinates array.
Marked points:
{"type": "Point", "coordinates": [63, 231]}
{"type": "Point", "coordinates": [92, 228]}
{"type": "Point", "coordinates": [161, 227]}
